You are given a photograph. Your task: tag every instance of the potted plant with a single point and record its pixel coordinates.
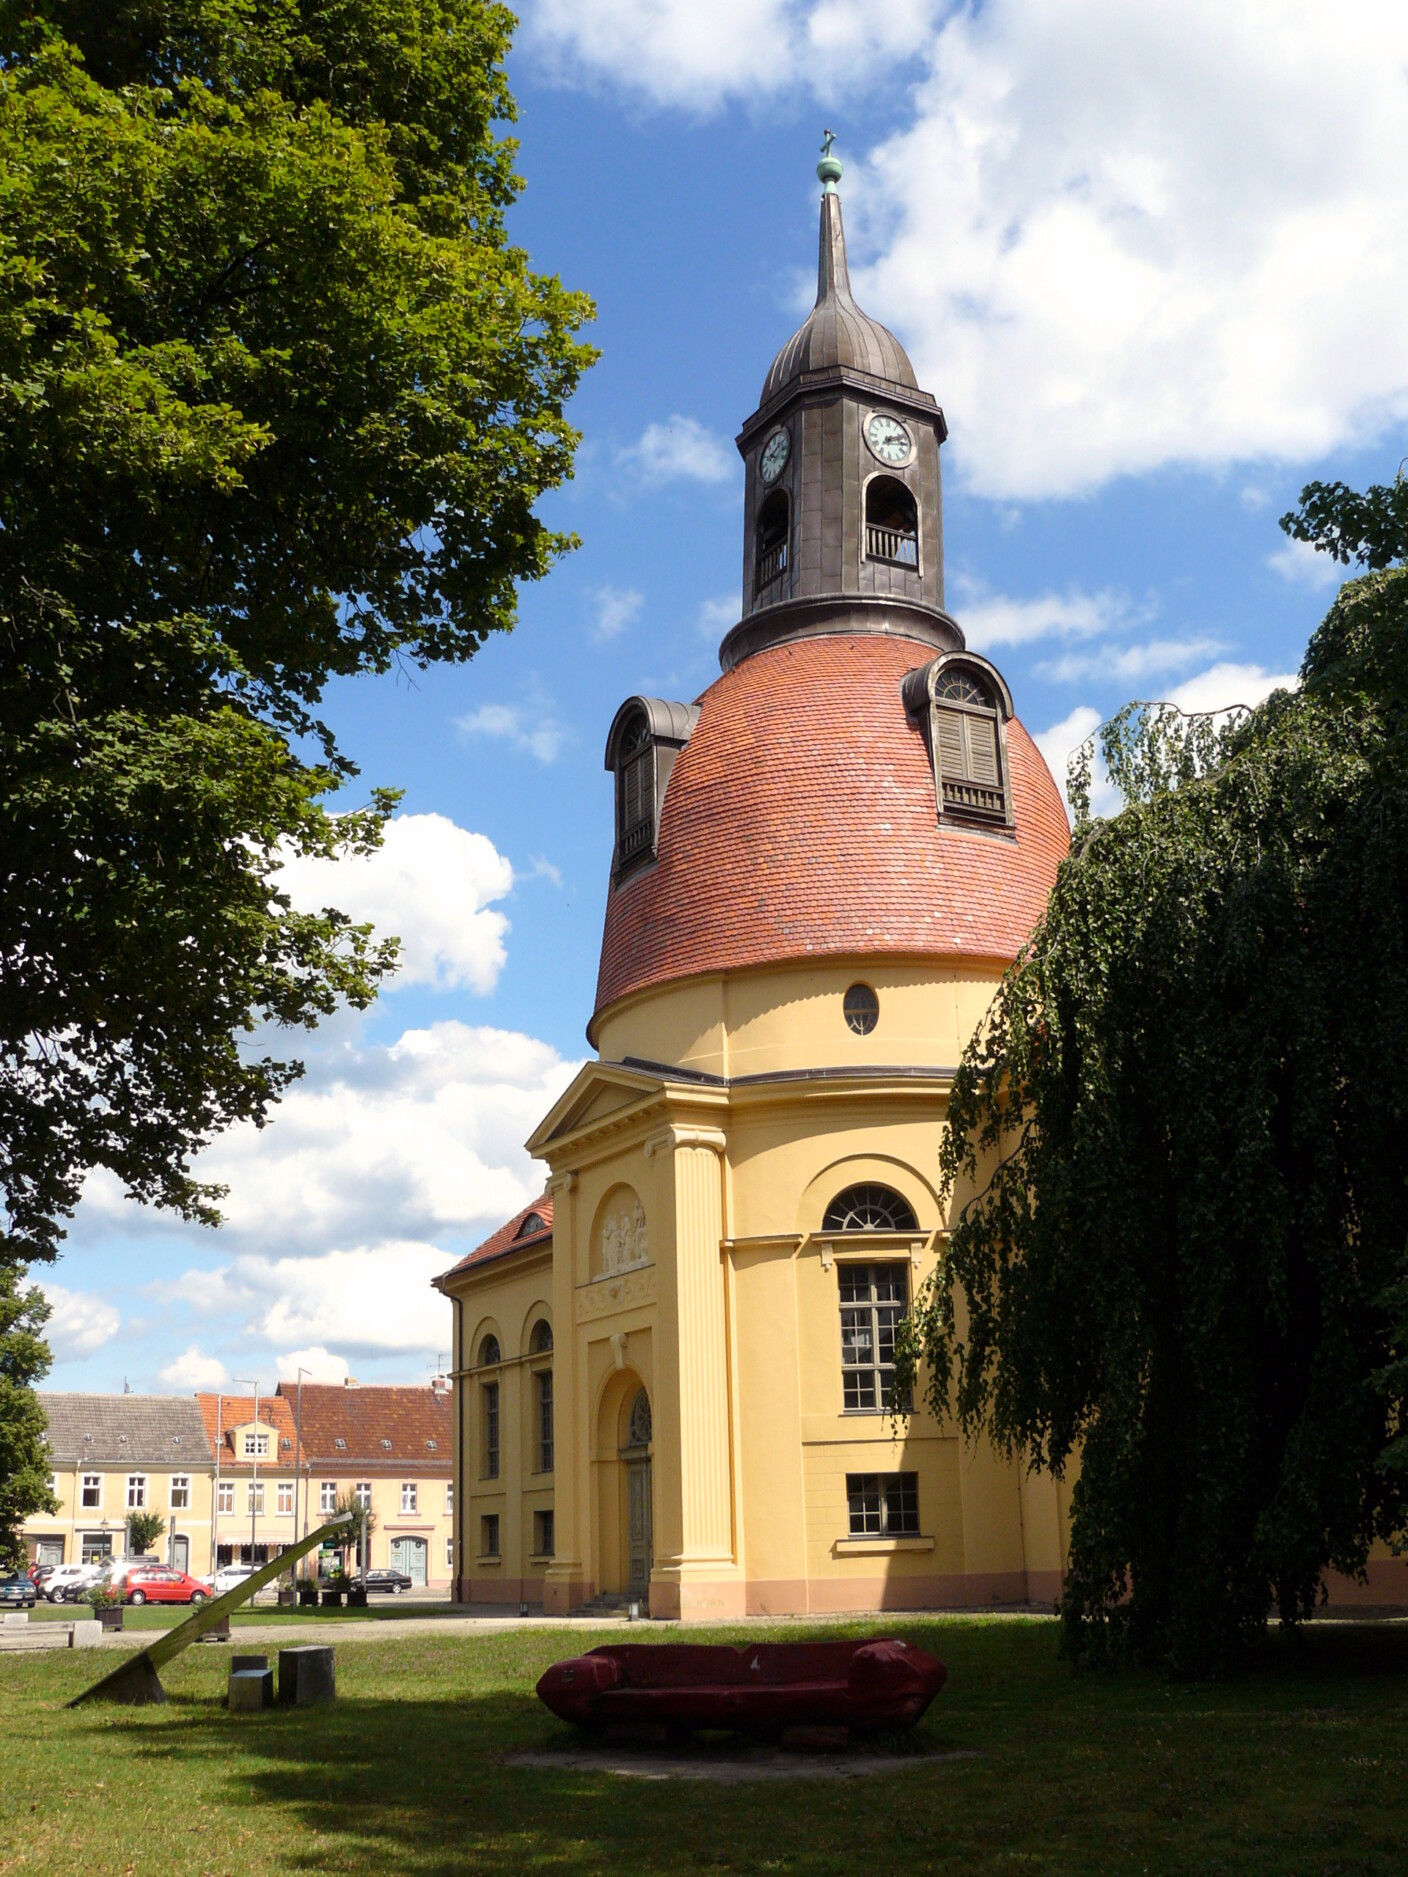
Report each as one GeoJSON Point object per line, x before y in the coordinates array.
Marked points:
{"type": "Point", "coordinates": [105, 1600]}
{"type": "Point", "coordinates": [357, 1597]}
{"type": "Point", "coordinates": [308, 1590]}
{"type": "Point", "coordinates": [337, 1589]}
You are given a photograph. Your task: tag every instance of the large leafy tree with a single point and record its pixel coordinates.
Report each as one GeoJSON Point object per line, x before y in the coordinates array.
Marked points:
{"type": "Point", "coordinates": [277, 400]}
{"type": "Point", "coordinates": [1180, 1144]}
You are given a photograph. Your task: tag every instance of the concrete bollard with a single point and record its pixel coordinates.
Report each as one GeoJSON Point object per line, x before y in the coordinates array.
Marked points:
{"type": "Point", "coordinates": [307, 1676]}
{"type": "Point", "coordinates": [237, 1662]}
{"type": "Point", "coordinates": [250, 1689]}
{"type": "Point", "coordinates": [85, 1635]}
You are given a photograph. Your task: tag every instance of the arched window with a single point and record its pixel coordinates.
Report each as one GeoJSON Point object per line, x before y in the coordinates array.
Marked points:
{"type": "Point", "coordinates": [773, 530]}
{"type": "Point", "coordinates": [635, 791]}
{"type": "Point", "coordinates": [535, 1222]}
{"type": "Point", "coordinates": [489, 1352]}
{"type": "Point", "coordinates": [868, 1208]}
{"type": "Point", "coordinates": [542, 1337]}
{"type": "Point", "coordinates": [966, 744]}
{"type": "Point", "coordinates": [638, 1427]}
{"type": "Point", "coordinates": [891, 523]}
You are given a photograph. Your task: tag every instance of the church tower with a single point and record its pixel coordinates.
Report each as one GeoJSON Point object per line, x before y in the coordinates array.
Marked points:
{"type": "Point", "coordinates": [843, 511]}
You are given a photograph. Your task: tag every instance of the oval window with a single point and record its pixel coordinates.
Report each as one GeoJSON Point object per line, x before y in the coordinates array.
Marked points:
{"type": "Point", "coordinates": [862, 1008]}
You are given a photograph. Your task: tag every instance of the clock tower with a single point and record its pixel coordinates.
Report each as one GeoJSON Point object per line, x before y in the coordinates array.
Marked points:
{"type": "Point", "coordinates": [843, 516]}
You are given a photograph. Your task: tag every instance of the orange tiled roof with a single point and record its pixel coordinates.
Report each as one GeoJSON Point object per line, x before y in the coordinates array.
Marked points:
{"type": "Point", "coordinates": [238, 1411]}
{"type": "Point", "coordinates": [410, 1419]}
{"type": "Point", "coordinates": [800, 822]}
{"type": "Point", "coordinates": [506, 1239]}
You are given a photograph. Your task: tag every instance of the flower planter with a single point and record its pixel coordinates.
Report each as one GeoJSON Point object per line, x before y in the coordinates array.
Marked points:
{"type": "Point", "coordinates": [331, 1599]}
{"type": "Point", "coordinates": [357, 1598]}
{"type": "Point", "coordinates": [287, 1599]}
{"type": "Point", "coordinates": [308, 1594]}
{"type": "Point", "coordinates": [110, 1615]}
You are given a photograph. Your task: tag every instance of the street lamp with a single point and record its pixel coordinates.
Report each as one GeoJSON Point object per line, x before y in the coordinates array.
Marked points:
{"type": "Point", "coordinates": [297, 1458]}
{"type": "Point", "coordinates": [246, 1382]}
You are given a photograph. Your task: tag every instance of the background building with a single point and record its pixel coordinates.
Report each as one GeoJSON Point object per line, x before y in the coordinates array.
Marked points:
{"type": "Point", "coordinates": [116, 1454]}
{"type": "Point", "coordinates": [257, 1494]}
{"type": "Point", "coordinates": [391, 1448]}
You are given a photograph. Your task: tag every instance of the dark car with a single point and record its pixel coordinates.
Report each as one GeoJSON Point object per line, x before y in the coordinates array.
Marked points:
{"type": "Point", "coordinates": [16, 1592]}
{"type": "Point", "coordinates": [393, 1582]}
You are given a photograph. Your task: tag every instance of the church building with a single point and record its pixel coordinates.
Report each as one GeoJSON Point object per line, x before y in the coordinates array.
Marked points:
{"type": "Point", "coordinates": [673, 1370]}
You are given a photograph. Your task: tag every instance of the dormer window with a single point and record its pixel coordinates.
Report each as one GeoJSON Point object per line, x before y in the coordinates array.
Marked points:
{"type": "Point", "coordinates": [774, 528]}
{"type": "Point", "coordinates": [645, 738]}
{"type": "Point", "coordinates": [535, 1222]}
{"type": "Point", "coordinates": [891, 523]}
{"type": "Point", "coordinates": [963, 703]}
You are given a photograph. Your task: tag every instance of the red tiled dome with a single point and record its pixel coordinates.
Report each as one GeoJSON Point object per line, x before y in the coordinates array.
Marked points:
{"type": "Point", "coordinates": [799, 822]}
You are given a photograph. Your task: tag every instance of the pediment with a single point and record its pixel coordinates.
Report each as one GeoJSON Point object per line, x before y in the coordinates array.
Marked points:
{"type": "Point", "coordinates": [598, 1091]}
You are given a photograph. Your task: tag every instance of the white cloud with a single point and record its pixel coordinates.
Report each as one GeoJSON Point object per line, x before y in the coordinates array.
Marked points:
{"type": "Point", "coordinates": [1222, 686]}
{"type": "Point", "coordinates": [682, 450]}
{"type": "Point", "coordinates": [541, 868]}
{"type": "Point", "coordinates": [431, 883]}
{"type": "Point", "coordinates": [1059, 744]}
{"type": "Point", "coordinates": [191, 1371]}
{"type": "Point", "coordinates": [718, 616]}
{"type": "Point", "coordinates": [319, 1364]}
{"type": "Point", "coordinates": [1302, 565]}
{"type": "Point", "coordinates": [530, 727]}
{"type": "Point", "coordinates": [371, 1297]}
{"type": "Point", "coordinates": [80, 1323]}
{"type": "Point", "coordinates": [995, 619]}
{"type": "Point", "coordinates": [1132, 663]}
{"type": "Point", "coordinates": [1118, 237]}
{"type": "Point", "coordinates": [616, 607]}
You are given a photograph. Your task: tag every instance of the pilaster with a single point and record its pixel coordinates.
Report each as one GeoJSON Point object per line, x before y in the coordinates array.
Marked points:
{"type": "Point", "coordinates": [564, 1582]}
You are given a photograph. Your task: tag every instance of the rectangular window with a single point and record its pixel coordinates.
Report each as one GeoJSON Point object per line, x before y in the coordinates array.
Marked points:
{"type": "Point", "coordinates": [883, 1505]}
{"type": "Point", "coordinates": [227, 1496]}
{"type": "Point", "coordinates": [254, 1496]}
{"type": "Point", "coordinates": [92, 1491]}
{"type": "Point", "coordinates": [449, 1502]}
{"type": "Point", "coordinates": [136, 1492]}
{"type": "Point", "coordinates": [180, 1492]}
{"type": "Point", "coordinates": [286, 1498]}
{"type": "Point", "coordinates": [490, 1394]}
{"type": "Point", "coordinates": [363, 1493]}
{"type": "Point", "coordinates": [542, 1535]}
{"type": "Point", "coordinates": [327, 1495]}
{"type": "Point", "coordinates": [489, 1535]}
{"type": "Point", "coordinates": [873, 1299]}
{"type": "Point", "coordinates": [449, 1554]}
{"type": "Point", "coordinates": [256, 1446]}
{"type": "Point", "coordinates": [409, 1496]}
{"type": "Point", "coordinates": [545, 1421]}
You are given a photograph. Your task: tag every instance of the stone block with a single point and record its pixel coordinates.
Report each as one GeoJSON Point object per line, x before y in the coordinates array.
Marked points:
{"type": "Point", "coordinates": [86, 1635]}
{"type": "Point", "coordinates": [250, 1690]}
{"type": "Point", "coordinates": [306, 1676]}
{"type": "Point", "coordinates": [14, 1616]}
{"type": "Point", "coordinates": [237, 1662]}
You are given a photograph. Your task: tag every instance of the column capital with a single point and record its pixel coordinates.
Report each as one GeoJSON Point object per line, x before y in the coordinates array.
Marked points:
{"type": "Point", "coordinates": [668, 1139]}
{"type": "Point", "coordinates": [561, 1183]}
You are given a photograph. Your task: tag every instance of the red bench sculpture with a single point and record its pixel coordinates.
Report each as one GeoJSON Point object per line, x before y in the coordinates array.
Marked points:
{"type": "Point", "coordinates": [864, 1687]}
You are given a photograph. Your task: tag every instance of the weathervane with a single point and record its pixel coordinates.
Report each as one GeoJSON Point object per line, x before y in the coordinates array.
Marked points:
{"type": "Point", "coordinates": [829, 168]}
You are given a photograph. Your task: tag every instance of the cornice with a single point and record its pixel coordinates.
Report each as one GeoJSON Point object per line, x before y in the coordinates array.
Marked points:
{"type": "Point", "coordinates": [832, 378]}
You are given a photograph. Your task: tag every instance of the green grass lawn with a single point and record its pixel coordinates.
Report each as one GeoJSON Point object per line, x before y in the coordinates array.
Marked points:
{"type": "Point", "coordinates": [168, 1615]}
{"type": "Point", "coordinates": [1297, 1769]}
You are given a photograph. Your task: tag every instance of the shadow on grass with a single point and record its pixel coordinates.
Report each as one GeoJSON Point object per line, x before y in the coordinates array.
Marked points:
{"type": "Point", "coordinates": [1240, 1775]}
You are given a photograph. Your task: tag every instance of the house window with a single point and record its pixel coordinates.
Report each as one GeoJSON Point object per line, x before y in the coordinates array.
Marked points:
{"type": "Point", "coordinates": [449, 1502]}
{"type": "Point", "coordinates": [542, 1535]}
{"type": "Point", "coordinates": [873, 1299]}
{"type": "Point", "coordinates": [254, 1496]}
{"type": "Point", "coordinates": [869, 1209]}
{"type": "Point", "coordinates": [542, 1337]}
{"type": "Point", "coordinates": [966, 745]}
{"type": "Point", "coordinates": [449, 1554]}
{"type": "Point", "coordinates": [544, 1380]}
{"type": "Point", "coordinates": [92, 1496]}
{"type": "Point", "coordinates": [489, 1535]}
{"type": "Point", "coordinates": [362, 1491]}
{"type": "Point", "coordinates": [635, 791]}
{"type": "Point", "coordinates": [490, 1394]}
{"type": "Point", "coordinates": [489, 1352]}
{"type": "Point", "coordinates": [861, 1009]}
{"type": "Point", "coordinates": [773, 530]}
{"type": "Point", "coordinates": [285, 1498]}
{"type": "Point", "coordinates": [180, 1492]}
{"type": "Point", "coordinates": [891, 523]}
{"type": "Point", "coordinates": [136, 1492]}
{"type": "Point", "coordinates": [327, 1495]}
{"type": "Point", "coordinates": [339, 1443]}
{"type": "Point", "coordinates": [225, 1497]}
{"type": "Point", "coordinates": [534, 1222]}
{"type": "Point", "coordinates": [409, 1496]}
{"type": "Point", "coordinates": [883, 1505]}
{"type": "Point", "coordinates": [256, 1446]}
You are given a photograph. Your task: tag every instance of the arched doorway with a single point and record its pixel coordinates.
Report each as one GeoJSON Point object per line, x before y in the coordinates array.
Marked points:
{"type": "Point", "coordinates": [635, 1458]}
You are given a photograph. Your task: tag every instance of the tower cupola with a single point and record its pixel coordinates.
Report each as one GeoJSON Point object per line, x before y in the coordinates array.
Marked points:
{"type": "Point", "coordinates": [843, 514]}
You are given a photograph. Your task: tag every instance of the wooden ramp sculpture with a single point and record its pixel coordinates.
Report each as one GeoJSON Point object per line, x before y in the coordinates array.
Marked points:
{"type": "Point", "coordinates": [135, 1680]}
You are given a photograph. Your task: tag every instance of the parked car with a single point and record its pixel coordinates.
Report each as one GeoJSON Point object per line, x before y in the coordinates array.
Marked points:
{"type": "Point", "coordinates": [392, 1581]}
{"type": "Point", "coordinates": [68, 1582]}
{"type": "Point", "coordinates": [157, 1584]}
{"type": "Point", "coordinates": [17, 1593]}
{"type": "Point", "coordinates": [39, 1575]}
{"type": "Point", "coordinates": [230, 1577]}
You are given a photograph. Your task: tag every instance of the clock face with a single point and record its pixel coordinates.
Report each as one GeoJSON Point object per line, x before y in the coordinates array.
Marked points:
{"type": "Point", "coordinates": [888, 438]}
{"type": "Point", "coordinates": [774, 457]}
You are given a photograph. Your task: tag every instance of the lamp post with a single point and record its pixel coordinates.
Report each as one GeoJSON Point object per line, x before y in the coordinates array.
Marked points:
{"type": "Point", "coordinates": [297, 1457]}
{"type": "Point", "coordinates": [245, 1381]}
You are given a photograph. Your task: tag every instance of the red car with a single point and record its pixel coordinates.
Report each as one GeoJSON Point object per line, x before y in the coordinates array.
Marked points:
{"type": "Point", "coordinates": [155, 1584]}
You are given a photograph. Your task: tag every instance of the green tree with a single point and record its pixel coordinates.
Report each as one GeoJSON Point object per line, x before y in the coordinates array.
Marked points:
{"type": "Point", "coordinates": [143, 1530]}
{"type": "Point", "coordinates": [1181, 1260]}
{"type": "Point", "coordinates": [24, 1459]}
{"type": "Point", "coordinates": [277, 400]}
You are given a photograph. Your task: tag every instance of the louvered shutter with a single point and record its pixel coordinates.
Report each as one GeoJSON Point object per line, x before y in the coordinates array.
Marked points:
{"type": "Point", "coordinates": [948, 730]}
{"type": "Point", "coordinates": [982, 750]}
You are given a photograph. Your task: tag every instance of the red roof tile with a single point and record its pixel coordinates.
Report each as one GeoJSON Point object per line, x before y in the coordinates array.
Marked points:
{"type": "Point", "coordinates": [800, 822]}
{"type": "Point", "coordinates": [507, 1238]}
{"type": "Point", "coordinates": [238, 1411]}
{"type": "Point", "coordinates": [410, 1419]}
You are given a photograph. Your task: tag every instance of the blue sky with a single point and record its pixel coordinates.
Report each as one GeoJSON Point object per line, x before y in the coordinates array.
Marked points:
{"type": "Point", "coordinates": [1153, 263]}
